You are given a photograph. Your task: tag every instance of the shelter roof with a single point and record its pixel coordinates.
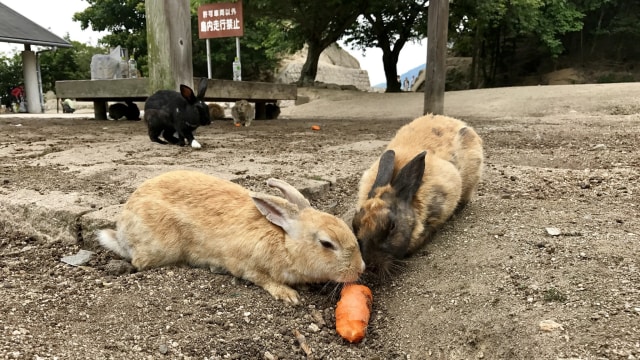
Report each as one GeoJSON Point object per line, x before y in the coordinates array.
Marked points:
{"type": "Point", "coordinates": [15, 28]}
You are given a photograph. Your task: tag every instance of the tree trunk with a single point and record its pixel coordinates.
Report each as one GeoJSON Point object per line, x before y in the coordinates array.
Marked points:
{"type": "Point", "coordinates": [436, 71]}
{"type": "Point", "coordinates": [310, 67]}
{"type": "Point", "coordinates": [475, 57]}
{"type": "Point", "coordinates": [389, 62]}
{"type": "Point", "coordinates": [169, 44]}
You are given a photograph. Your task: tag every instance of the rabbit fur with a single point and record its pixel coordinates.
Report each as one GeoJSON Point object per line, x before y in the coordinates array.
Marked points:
{"type": "Point", "coordinates": [175, 115]}
{"type": "Point", "coordinates": [272, 111]}
{"type": "Point", "coordinates": [128, 110]}
{"type": "Point", "coordinates": [429, 169]}
{"type": "Point", "coordinates": [216, 111]}
{"type": "Point", "coordinates": [243, 112]}
{"type": "Point", "coordinates": [188, 217]}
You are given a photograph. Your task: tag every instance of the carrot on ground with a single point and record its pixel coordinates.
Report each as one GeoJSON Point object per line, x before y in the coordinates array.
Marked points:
{"type": "Point", "coordinates": [353, 311]}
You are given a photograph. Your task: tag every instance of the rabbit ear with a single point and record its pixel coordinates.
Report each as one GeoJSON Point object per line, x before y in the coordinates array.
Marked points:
{"type": "Point", "coordinates": [409, 178]}
{"type": "Point", "coordinates": [290, 193]}
{"type": "Point", "coordinates": [202, 88]}
{"type": "Point", "coordinates": [277, 210]}
{"type": "Point", "coordinates": [188, 94]}
{"type": "Point", "coordinates": [385, 171]}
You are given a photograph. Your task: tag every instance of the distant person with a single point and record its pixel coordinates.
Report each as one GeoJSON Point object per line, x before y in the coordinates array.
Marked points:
{"type": "Point", "coordinates": [406, 84]}
{"type": "Point", "coordinates": [68, 106]}
{"type": "Point", "coordinates": [413, 81]}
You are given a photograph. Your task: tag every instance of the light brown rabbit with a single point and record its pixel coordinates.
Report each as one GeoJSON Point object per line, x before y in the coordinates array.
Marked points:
{"type": "Point", "coordinates": [187, 217]}
{"type": "Point", "coordinates": [430, 168]}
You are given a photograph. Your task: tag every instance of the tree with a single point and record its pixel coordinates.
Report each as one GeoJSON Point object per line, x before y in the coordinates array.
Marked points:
{"type": "Point", "coordinates": [124, 20]}
{"type": "Point", "coordinates": [389, 25]}
{"type": "Point", "coordinates": [72, 63]}
{"type": "Point", "coordinates": [10, 76]}
{"type": "Point", "coordinates": [495, 34]}
{"type": "Point", "coordinates": [316, 23]}
{"type": "Point", "coordinates": [611, 30]}
{"type": "Point", "coordinates": [264, 41]}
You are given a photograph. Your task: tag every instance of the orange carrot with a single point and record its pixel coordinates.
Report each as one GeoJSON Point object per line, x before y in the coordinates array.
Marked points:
{"type": "Point", "coordinates": [315, 127]}
{"type": "Point", "coordinates": [353, 311]}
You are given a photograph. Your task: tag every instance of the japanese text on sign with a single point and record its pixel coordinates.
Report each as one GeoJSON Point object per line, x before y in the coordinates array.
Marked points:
{"type": "Point", "coordinates": [220, 20]}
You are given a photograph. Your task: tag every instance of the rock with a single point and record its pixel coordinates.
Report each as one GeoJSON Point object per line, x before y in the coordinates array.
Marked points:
{"type": "Point", "coordinates": [599, 147]}
{"type": "Point", "coordinates": [549, 325]}
{"type": "Point", "coordinates": [335, 66]}
{"type": "Point", "coordinates": [553, 231]}
{"type": "Point", "coordinates": [81, 258]}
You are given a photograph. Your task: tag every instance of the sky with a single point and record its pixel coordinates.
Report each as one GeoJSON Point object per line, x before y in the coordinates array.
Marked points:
{"type": "Point", "coordinates": [56, 16]}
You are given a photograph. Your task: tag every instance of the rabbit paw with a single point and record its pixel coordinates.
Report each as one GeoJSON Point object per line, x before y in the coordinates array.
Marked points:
{"type": "Point", "coordinates": [283, 292]}
{"type": "Point", "coordinates": [195, 144]}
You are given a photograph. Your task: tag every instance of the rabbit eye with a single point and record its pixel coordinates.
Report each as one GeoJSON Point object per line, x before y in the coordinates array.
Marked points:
{"type": "Point", "coordinates": [327, 244]}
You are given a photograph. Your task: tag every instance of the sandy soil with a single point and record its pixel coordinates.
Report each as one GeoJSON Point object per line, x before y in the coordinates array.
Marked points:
{"type": "Point", "coordinates": [562, 157]}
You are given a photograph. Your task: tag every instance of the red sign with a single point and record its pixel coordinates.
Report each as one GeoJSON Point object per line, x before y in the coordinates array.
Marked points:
{"type": "Point", "coordinates": [220, 20]}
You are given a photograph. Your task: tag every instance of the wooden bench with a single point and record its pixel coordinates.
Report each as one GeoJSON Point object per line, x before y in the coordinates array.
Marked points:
{"type": "Point", "coordinates": [114, 90]}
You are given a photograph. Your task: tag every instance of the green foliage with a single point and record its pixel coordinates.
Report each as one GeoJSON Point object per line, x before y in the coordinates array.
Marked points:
{"type": "Point", "coordinates": [124, 19]}
{"type": "Point", "coordinates": [494, 33]}
{"type": "Point", "coordinates": [10, 76]}
{"type": "Point", "coordinates": [264, 43]}
{"type": "Point", "coordinates": [265, 39]}
{"type": "Point", "coordinates": [613, 77]}
{"type": "Point", "coordinates": [316, 23]}
{"type": "Point", "coordinates": [67, 63]}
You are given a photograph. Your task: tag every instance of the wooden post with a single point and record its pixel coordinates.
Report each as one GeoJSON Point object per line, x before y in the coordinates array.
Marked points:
{"type": "Point", "coordinates": [436, 71]}
{"type": "Point", "coordinates": [100, 109]}
{"type": "Point", "coordinates": [169, 44]}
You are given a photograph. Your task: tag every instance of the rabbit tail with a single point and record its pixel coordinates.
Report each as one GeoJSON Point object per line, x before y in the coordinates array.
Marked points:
{"type": "Point", "coordinates": [109, 239]}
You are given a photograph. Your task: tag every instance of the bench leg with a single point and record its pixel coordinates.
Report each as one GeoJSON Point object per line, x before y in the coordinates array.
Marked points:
{"type": "Point", "coordinates": [100, 110]}
{"type": "Point", "coordinates": [261, 110]}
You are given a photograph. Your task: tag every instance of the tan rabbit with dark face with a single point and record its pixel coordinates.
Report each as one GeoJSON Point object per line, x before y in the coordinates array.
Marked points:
{"type": "Point", "coordinates": [430, 168]}
{"type": "Point", "coordinates": [187, 217]}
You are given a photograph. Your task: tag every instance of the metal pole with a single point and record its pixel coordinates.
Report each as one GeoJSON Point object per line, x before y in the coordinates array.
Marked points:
{"type": "Point", "coordinates": [208, 60]}
{"type": "Point", "coordinates": [238, 48]}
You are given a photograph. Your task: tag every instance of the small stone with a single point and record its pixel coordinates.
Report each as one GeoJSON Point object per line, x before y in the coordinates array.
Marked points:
{"type": "Point", "coordinates": [269, 356]}
{"type": "Point", "coordinates": [318, 318]}
{"type": "Point", "coordinates": [549, 325]}
{"type": "Point", "coordinates": [163, 349]}
{"type": "Point", "coordinates": [80, 258]}
{"type": "Point", "coordinates": [553, 231]}
{"type": "Point", "coordinates": [585, 185]}
{"type": "Point", "coordinates": [314, 328]}
{"type": "Point", "coordinates": [599, 147]}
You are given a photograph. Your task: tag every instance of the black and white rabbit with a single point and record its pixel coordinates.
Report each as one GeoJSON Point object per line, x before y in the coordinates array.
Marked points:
{"type": "Point", "coordinates": [175, 115]}
{"type": "Point", "coordinates": [128, 110]}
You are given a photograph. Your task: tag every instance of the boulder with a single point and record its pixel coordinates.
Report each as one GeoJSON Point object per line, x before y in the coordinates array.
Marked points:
{"type": "Point", "coordinates": [335, 66]}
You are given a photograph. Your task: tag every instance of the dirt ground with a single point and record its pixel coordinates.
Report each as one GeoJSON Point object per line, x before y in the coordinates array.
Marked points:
{"type": "Point", "coordinates": [484, 287]}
